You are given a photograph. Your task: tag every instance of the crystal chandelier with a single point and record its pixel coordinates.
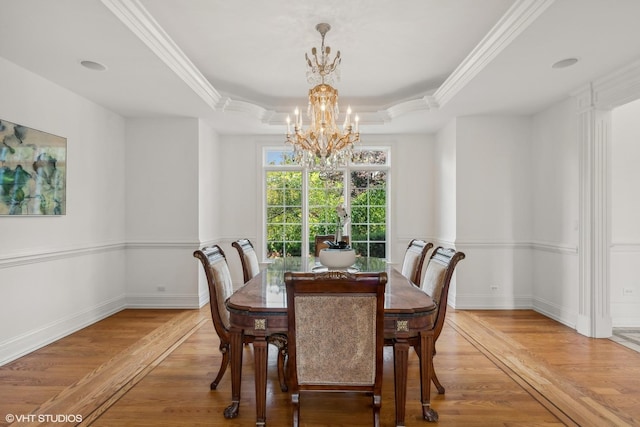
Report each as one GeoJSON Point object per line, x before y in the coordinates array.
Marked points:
{"type": "Point", "coordinates": [323, 146]}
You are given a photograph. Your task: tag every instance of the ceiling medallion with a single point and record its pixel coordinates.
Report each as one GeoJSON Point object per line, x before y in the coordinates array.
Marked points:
{"type": "Point", "coordinates": [323, 146]}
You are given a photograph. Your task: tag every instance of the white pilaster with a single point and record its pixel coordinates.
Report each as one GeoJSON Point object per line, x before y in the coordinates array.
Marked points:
{"type": "Point", "coordinates": [594, 105]}
{"type": "Point", "coordinates": [594, 139]}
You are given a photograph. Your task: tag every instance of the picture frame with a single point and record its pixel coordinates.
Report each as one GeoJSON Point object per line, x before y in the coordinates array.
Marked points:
{"type": "Point", "coordinates": [33, 169]}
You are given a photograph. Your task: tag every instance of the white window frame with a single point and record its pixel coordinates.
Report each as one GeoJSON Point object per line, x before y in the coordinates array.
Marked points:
{"type": "Point", "coordinates": [305, 193]}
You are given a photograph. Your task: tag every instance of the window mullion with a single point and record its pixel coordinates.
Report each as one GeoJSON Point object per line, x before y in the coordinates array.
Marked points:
{"type": "Point", "coordinates": [305, 213]}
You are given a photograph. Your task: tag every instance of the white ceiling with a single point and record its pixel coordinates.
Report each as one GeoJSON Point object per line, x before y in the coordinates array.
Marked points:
{"type": "Point", "coordinates": [407, 65]}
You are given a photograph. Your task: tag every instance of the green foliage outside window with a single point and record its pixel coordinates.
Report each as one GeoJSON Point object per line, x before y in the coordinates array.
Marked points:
{"type": "Point", "coordinates": [367, 198]}
{"type": "Point", "coordinates": [369, 212]}
{"type": "Point", "coordinates": [284, 213]}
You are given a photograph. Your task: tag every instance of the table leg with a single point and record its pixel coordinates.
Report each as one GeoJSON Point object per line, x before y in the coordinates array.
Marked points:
{"type": "Point", "coordinates": [235, 338]}
{"type": "Point", "coordinates": [260, 349]}
{"type": "Point", "coordinates": [426, 372]}
{"type": "Point", "coordinates": [400, 367]}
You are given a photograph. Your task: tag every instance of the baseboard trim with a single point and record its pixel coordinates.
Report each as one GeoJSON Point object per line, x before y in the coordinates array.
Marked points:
{"type": "Point", "coordinates": [555, 312]}
{"type": "Point", "coordinates": [23, 344]}
{"type": "Point", "coordinates": [490, 302]}
{"type": "Point", "coordinates": [182, 301]}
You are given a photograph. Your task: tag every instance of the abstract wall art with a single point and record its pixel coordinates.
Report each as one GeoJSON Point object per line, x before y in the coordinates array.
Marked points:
{"type": "Point", "coordinates": [33, 169]}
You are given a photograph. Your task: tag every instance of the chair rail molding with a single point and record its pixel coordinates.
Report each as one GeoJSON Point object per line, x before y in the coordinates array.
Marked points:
{"type": "Point", "coordinates": [162, 244]}
{"type": "Point", "coordinates": [593, 110]}
{"type": "Point", "coordinates": [53, 254]}
{"type": "Point", "coordinates": [625, 247]}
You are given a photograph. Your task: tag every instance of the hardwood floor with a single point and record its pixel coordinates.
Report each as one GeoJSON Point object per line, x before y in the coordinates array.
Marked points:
{"type": "Point", "coordinates": [153, 367]}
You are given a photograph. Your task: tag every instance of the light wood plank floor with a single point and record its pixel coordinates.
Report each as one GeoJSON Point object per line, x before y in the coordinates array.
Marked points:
{"type": "Point", "coordinates": [153, 368]}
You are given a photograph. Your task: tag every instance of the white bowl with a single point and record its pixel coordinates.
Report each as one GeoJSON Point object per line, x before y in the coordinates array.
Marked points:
{"type": "Point", "coordinates": [337, 258]}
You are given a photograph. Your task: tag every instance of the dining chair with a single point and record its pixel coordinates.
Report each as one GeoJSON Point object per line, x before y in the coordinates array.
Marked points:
{"type": "Point", "coordinates": [436, 281]}
{"type": "Point", "coordinates": [336, 334]}
{"type": "Point", "coordinates": [220, 285]}
{"type": "Point", "coordinates": [248, 258]}
{"type": "Point", "coordinates": [250, 269]}
{"type": "Point", "coordinates": [414, 258]}
{"type": "Point", "coordinates": [321, 239]}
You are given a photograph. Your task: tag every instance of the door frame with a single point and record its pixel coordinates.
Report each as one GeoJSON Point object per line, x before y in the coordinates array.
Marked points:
{"type": "Point", "coordinates": [594, 105]}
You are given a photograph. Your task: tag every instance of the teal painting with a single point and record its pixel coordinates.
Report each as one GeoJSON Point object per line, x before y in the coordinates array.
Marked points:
{"type": "Point", "coordinates": [33, 166]}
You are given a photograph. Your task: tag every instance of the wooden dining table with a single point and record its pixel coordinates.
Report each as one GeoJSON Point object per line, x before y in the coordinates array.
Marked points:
{"type": "Point", "coordinates": [259, 309]}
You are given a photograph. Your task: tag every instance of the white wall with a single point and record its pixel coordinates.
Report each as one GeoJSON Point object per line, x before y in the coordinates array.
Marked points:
{"type": "Point", "coordinates": [58, 274]}
{"type": "Point", "coordinates": [209, 185]}
{"type": "Point", "coordinates": [555, 209]}
{"type": "Point", "coordinates": [493, 212]}
{"type": "Point", "coordinates": [210, 176]}
{"type": "Point", "coordinates": [445, 186]}
{"type": "Point", "coordinates": [413, 190]}
{"type": "Point", "coordinates": [625, 212]}
{"type": "Point", "coordinates": [163, 213]}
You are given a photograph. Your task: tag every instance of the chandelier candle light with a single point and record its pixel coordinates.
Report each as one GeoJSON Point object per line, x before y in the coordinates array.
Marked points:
{"type": "Point", "coordinates": [323, 146]}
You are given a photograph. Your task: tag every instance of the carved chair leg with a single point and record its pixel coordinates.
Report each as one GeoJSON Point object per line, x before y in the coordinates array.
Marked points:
{"type": "Point", "coordinates": [282, 355]}
{"type": "Point", "coordinates": [280, 341]}
{"type": "Point", "coordinates": [377, 403]}
{"type": "Point", "coordinates": [223, 366]}
{"type": "Point", "coordinates": [436, 382]}
{"type": "Point", "coordinates": [295, 400]}
{"type": "Point", "coordinates": [434, 377]}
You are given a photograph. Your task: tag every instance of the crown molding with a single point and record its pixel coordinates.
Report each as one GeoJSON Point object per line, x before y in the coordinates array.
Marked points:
{"type": "Point", "coordinates": [425, 103]}
{"type": "Point", "coordinates": [617, 88]}
{"type": "Point", "coordinates": [522, 14]}
{"type": "Point", "coordinates": [135, 17]}
{"type": "Point", "coordinates": [514, 22]}
{"type": "Point", "coordinates": [256, 111]}
{"type": "Point", "coordinates": [274, 118]}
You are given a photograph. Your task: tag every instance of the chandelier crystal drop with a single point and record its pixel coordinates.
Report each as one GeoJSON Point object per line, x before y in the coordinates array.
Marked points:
{"type": "Point", "coordinates": [323, 146]}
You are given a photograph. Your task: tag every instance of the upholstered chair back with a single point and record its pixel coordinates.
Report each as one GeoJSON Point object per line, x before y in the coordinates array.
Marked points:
{"type": "Point", "coordinates": [437, 279]}
{"type": "Point", "coordinates": [336, 333]}
{"type": "Point", "coordinates": [248, 258]}
{"type": "Point", "coordinates": [216, 269]}
{"type": "Point", "coordinates": [220, 285]}
{"type": "Point", "coordinates": [414, 259]}
{"type": "Point", "coordinates": [320, 320]}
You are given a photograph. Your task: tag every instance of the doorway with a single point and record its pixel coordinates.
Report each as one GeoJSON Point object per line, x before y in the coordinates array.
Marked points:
{"type": "Point", "coordinates": [624, 281]}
